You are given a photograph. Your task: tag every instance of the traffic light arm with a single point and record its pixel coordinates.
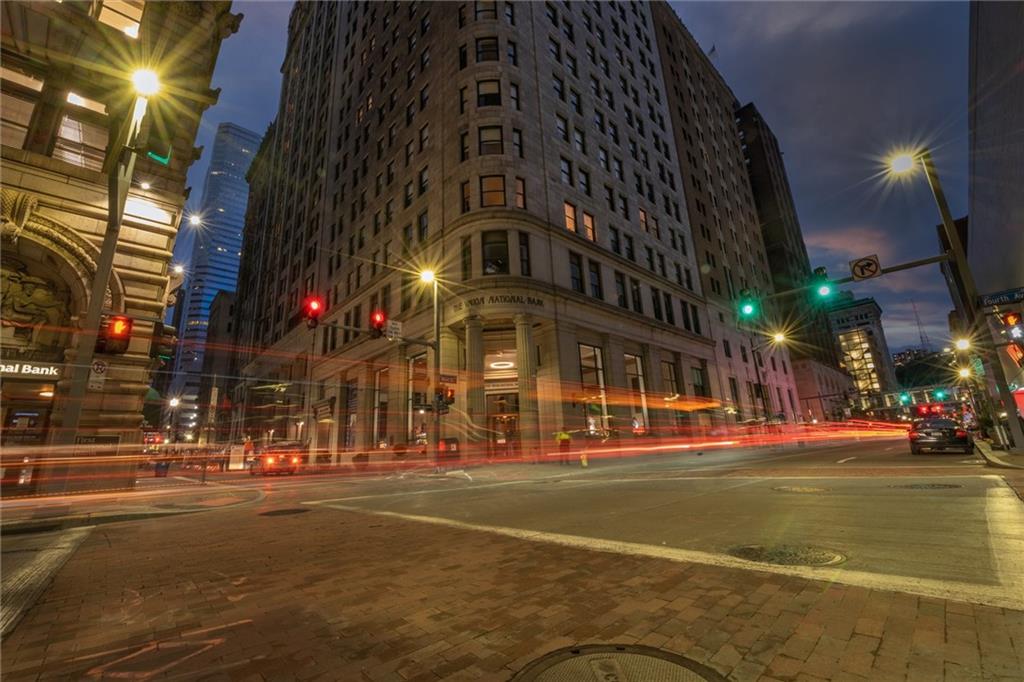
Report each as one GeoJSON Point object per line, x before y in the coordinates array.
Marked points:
{"type": "Point", "coordinates": [884, 271]}
{"type": "Point", "coordinates": [359, 330]}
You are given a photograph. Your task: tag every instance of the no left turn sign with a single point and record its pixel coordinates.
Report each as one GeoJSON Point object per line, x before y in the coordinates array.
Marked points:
{"type": "Point", "coordinates": [866, 267]}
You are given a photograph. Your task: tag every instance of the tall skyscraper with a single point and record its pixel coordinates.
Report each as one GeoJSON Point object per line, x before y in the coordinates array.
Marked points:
{"type": "Point", "coordinates": [528, 154]}
{"type": "Point", "coordinates": [864, 352]}
{"type": "Point", "coordinates": [730, 248]}
{"type": "Point", "coordinates": [821, 384]}
{"type": "Point", "coordinates": [213, 266]}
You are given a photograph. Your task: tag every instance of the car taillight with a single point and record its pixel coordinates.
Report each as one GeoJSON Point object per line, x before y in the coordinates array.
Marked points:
{"type": "Point", "coordinates": [270, 460]}
{"type": "Point", "coordinates": [914, 435]}
{"type": "Point", "coordinates": [960, 433]}
{"type": "Point", "coordinates": [295, 460]}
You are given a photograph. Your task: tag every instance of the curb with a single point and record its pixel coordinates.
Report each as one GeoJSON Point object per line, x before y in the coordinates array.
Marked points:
{"type": "Point", "coordinates": [67, 522]}
{"type": "Point", "coordinates": [995, 460]}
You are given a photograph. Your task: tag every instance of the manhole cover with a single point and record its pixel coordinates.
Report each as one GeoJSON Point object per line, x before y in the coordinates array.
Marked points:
{"type": "Point", "coordinates": [283, 512]}
{"type": "Point", "coordinates": [615, 663]}
{"type": "Point", "coordinates": [788, 555]}
{"type": "Point", "coordinates": [799, 489]}
{"type": "Point", "coordinates": [927, 486]}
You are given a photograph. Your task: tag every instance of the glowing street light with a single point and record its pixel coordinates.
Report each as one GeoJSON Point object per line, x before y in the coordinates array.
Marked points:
{"type": "Point", "coordinates": [902, 163]}
{"type": "Point", "coordinates": [179, 269]}
{"type": "Point", "coordinates": [962, 344]}
{"type": "Point", "coordinates": [779, 337]}
{"type": "Point", "coordinates": [427, 276]}
{"type": "Point", "coordinates": [174, 402]}
{"type": "Point", "coordinates": [146, 82]}
{"type": "Point", "coordinates": [194, 220]}
{"type": "Point", "coordinates": [964, 372]}
{"type": "Point", "coordinates": [145, 185]}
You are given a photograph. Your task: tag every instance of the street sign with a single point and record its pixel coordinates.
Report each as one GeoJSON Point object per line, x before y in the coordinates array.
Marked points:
{"type": "Point", "coordinates": [865, 268]}
{"type": "Point", "coordinates": [448, 378]}
{"type": "Point", "coordinates": [393, 330]}
{"type": "Point", "coordinates": [97, 375]}
{"type": "Point", "coordinates": [1002, 297]}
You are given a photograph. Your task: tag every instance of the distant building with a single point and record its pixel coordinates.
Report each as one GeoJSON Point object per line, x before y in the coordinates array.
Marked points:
{"type": "Point", "coordinates": [864, 352]}
{"type": "Point", "coordinates": [213, 403]}
{"type": "Point", "coordinates": [909, 355]}
{"type": "Point", "coordinates": [996, 147]}
{"type": "Point", "coordinates": [821, 384]}
{"type": "Point", "coordinates": [213, 266]}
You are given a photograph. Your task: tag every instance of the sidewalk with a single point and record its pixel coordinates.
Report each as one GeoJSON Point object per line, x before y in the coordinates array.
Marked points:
{"type": "Point", "coordinates": [998, 458]}
{"type": "Point", "coordinates": [335, 595]}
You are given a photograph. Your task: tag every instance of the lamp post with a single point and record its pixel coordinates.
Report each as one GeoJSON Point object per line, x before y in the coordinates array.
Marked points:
{"type": "Point", "coordinates": [429, 277]}
{"type": "Point", "coordinates": [906, 163]}
{"type": "Point", "coordinates": [121, 168]}
{"type": "Point", "coordinates": [777, 338]}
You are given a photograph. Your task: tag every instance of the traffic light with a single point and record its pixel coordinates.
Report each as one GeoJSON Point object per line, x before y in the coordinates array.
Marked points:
{"type": "Point", "coordinates": [312, 309]}
{"type": "Point", "coordinates": [904, 398]}
{"type": "Point", "coordinates": [823, 288]}
{"type": "Point", "coordinates": [449, 395]}
{"type": "Point", "coordinates": [378, 323]}
{"type": "Point", "coordinates": [1012, 322]}
{"type": "Point", "coordinates": [748, 305]}
{"type": "Point", "coordinates": [939, 394]}
{"type": "Point", "coordinates": [164, 341]}
{"type": "Point", "coordinates": [115, 335]}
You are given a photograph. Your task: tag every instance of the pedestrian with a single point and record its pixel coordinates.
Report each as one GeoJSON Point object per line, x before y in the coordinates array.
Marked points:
{"type": "Point", "coordinates": [564, 441]}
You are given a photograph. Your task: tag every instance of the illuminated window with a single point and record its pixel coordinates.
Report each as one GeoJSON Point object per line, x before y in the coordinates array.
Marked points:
{"type": "Point", "coordinates": [495, 252]}
{"type": "Point", "coordinates": [638, 389]}
{"type": "Point", "coordinates": [489, 140]}
{"type": "Point", "coordinates": [570, 216]}
{"type": "Point", "coordinates": [492, 190]}
{"type": "Point", "coordinates": [80, 143]}
{"type": "Point", "coordinates": [124, 15]}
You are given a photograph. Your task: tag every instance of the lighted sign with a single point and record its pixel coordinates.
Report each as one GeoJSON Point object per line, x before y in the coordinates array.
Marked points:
{"type": "Point", "coordinates": [29, 369]}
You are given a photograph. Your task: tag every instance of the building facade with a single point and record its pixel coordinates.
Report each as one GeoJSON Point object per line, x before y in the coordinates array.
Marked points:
{"type": "Point", "coordinates": [524, 152]}
{"type": "Point", "coordinates": [214, 398]}
{"type": "Point", "coordinates": [213, 266]}
{"type": "Point", "coordinates": [66, 90]}
{"type": "Point", "coordinates": [995, 173]}
{"type": "Point", "coordinates": [820, 382]}
{"type": "Point", "coordinates": [864, 352]}
{"type": "Point", "coordinates": [729, 246]}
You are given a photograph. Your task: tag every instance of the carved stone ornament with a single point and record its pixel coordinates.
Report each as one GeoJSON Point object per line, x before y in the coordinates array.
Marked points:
{"type": "Point", "coordinates": [17, 209]}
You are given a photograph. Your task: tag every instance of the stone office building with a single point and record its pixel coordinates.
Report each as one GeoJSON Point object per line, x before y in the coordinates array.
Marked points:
{"type": "Point", "coordinates": [66, 81]}
{"type": "Point", "coordinates": [523, 151]}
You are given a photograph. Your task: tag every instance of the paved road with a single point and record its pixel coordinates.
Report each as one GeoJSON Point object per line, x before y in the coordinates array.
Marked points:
{"type": "Point", "coordinates": [416, 575]}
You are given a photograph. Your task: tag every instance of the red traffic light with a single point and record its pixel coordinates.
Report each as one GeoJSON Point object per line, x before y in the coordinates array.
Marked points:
{"type": "Point", "coordinates": [378, 322]}
{"type": "Point", "coordinates": [115, 335]}
{"type": "Point", "coordinates": [119, 327]}
{"type": "Point", "coordinates": [312, 309]}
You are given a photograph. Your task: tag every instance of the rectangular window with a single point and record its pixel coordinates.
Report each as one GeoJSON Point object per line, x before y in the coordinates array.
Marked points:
{"type": "Point", "coordinates": [463, 146]}
{"type": "Point", "coordinates": [734, 393]}
{"type": "Point", "coordinates": [492, 190]}
{"type": "Point", "coordinates": [589, 230]}
{"type": "Point", "coordinates": [656, 303]}
{"type": "Point", "coordinates": [727, 348]}
{"type": "Point", "coordinates": [513, 95]}
{"type": "Point", "coordinates": [486, 10]}
{"type": "Point", "coordinates": [616, 243]}
{"type": "Point", "coordinates": [512, 52]}
{"type": "Point", "coordinates": [579, 140]}
{"type": "Point", "coordinates": [638, 389]}
{"type": "Point", "coordinates": [488, 93]}
{"type": "Point", "coordinates": [668, 378]}
{"type": "Point", "coordinates": [465, 197]}
{"type": "Point", "coordinates": [79, 143]}
{"type": "Point", "coordinates": [520, 197]}
{"type": "Point", "coordinates": [670, 313]}
{"type": "Point", "coordinates": [636, 295]}
{"type": "Point", "coordinates": [495, 252]}
{"type": "Point", "coordinates": [630, 254]}
{"type": "Point", "coordinates": [576, 272]}
{"type": "Point", "coordinates": [466, 259]}
{"type": "Point", "coordinates": [583, 178]}
{"type": "Point", "coordinates": [424, 181]}
{"type": "Point", "coordinates": [487, 49]}
{"type": "Point", "coordinates": [593, 387]}
{"type": "Point", "coordinates": [594, 273]}
{"type": "Point", "coordinates": [620, 290]}
{"type": "Point", "coordinates": [517, 142]}
{"type": "Point", "coordinates": [380, 407]}
{"type": "Point", "coordinates": [524, 254]}
{"type": "Point", "coordinates": [489, 140]}
{"type": "Point", "coordinates": [570, 216]}
{"type": "Point", "coordinates": [565, 166]}
{"type": "Point", "coordinates": [696, 318]}
{"type": "Point", "coordinates": [422, 226]}
{"type": "Point", "coordinates": [700, 387]}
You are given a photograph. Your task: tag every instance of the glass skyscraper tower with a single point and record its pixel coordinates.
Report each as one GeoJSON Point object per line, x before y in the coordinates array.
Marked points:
{"type": "Point", "coordinates": [213, 266]}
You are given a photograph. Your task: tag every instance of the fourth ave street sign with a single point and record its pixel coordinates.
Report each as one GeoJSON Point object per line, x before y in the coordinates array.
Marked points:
{"type": "Point", "coordinates": [865, 268]}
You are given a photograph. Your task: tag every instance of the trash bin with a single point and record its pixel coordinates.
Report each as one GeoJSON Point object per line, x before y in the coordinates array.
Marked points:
{"type": "Point", "coordinates": [160, 469]}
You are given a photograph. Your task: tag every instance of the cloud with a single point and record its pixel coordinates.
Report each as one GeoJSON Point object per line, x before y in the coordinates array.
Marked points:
{"type": "Point", "coordinates": [849, 242]}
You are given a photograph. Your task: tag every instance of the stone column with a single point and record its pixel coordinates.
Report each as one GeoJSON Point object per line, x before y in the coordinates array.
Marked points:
{"type": "Point", "coordinates": [652, 383]}
{"type": "Point", "coordinates": [400, 395]}
{"type": "Point", "coordinates": [475, 406]}
{"type": "Point", "coordinates": [529, 436]}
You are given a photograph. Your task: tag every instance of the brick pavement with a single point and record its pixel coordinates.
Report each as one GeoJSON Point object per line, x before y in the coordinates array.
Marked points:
{"type": "Point", "coordinates": [333, 595]}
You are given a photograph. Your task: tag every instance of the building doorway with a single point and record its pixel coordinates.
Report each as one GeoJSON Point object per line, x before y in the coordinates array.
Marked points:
{"type": "Point", "coordinates": [503, 424]}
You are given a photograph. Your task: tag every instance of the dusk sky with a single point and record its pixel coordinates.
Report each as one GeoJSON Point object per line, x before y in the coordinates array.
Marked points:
{"type": "Point", "coordinates": [839, 83]}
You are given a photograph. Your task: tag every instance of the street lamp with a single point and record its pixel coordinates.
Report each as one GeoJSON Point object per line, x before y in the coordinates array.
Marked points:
{"type": "Point", "coordinates": [776, 339]}
{"type": "Point", "coordinates": [174, 402]}
{"type": "Point", "coordinates": [429, 277]}
{"type": "Point", "coordinates": [962, 344]}
{"type": "Point", "coordinates": [194, 220]}
{"type": "Point", "coordinates": [904, 162]}
{"type": "Point", "coordinates": [120, 169]}
{"type": "Point", "coordinates": [964, 372]}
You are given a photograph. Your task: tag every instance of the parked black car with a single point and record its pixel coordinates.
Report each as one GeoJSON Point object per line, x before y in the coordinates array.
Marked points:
{"type": "Point", "coordinates": [939, 434]}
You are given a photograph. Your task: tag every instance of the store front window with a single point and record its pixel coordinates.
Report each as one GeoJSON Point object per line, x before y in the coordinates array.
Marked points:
{"type": "Point", "coordinates": [418, 387]}
{"type": "Point", "coordinates": [594, 399]}
{"type": "Point", "coordinates": [638, 389]}
{"type": "Point", "coordinates": [380, 407]}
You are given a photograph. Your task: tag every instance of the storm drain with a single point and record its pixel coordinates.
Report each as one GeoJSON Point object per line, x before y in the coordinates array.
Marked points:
{"type": "Point", "coordinates": [788, 555]}
{"type": "Point", "coordinates": [927, 486]}
{"type": "Point", "coordinates": [799, 489]}
{"type": "Point", "coordinates": [615, 663]}
{"type": "Point", "coordinates": [284, 512]}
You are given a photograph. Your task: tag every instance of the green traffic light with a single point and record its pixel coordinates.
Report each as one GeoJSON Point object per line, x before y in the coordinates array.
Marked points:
{"type": "Point", "coordinates": [747, 309]}
{"type": "Point", "coordinates": [162, 160]}
{"type": "Point", "coordinates": [940, 394]}
{"type": "Point", "coordinates": [825, 290]}
{"type": "Point", "coordinates": [904, 398]}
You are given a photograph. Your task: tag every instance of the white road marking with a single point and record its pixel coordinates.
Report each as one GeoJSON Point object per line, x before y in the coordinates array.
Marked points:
{"type": "Point", "coordinates": [989, 595]}
{"type": "Point", "coordinates": [430, 491]}
{"type": "Point", "coordinates": [1005, 519]}
{"type": "Point", "coordinates": [844, 461]}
